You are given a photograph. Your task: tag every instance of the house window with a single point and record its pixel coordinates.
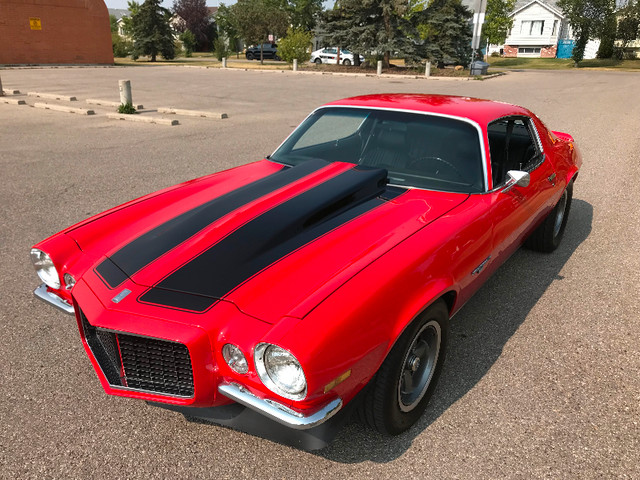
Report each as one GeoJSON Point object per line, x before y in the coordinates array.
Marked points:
{"type": "Point", "coordinates": [532, 27]}
{"type": "Point", "coordinates": [529, 50]}
{"type": "Point", "coordinates": [555, 27]}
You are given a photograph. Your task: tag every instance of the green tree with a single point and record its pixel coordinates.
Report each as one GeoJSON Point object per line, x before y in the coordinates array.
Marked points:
{"type": "Point", "coordinates": [189, 42]}
{"type": "Point", "coordinates": [195, 18]}
{"type": "Point", "coordinates": [448, 33]}
{"type": "Point", "coordinates": [152, 34]}
{"type": "Point", "coordinates": [372, 26]}
{"type": "Point", "coordinates": [586, 18]}
{"type": "Point", "coordinates": [257, 19]}
{"type": "Point", "coordinates": [228, 27]}
{"type": "Point", "coordinates": [303, 14]}
{"type": "Point", "coordinates": [628, 28]}
{"type": "Point", "coordinates": [114, 23]}
{"type": "Point", "coordinates": [607, 35]}
{"type": "Point", "coordinates": [127, 22]}
{"type": "Point", "coordinates": [295, 46]}
{"type": "Point", "coordinates": [497, 21]}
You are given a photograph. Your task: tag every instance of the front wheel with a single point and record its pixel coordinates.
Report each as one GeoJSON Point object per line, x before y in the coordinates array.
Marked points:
{"type": "Point", "coordinates": [250, 56]}
{"type": "Point", "coordinates": [407, 378]}
{"type": "Point", "coordinates": [548, 235]}
{"type": "Point", "coordinates": [317, 61]}
{"type": "Point", "coordinates": [347, 62]}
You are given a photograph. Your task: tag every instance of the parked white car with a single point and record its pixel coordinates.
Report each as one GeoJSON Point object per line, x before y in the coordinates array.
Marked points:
{"type": "Point", "coordinates": [330, 55]}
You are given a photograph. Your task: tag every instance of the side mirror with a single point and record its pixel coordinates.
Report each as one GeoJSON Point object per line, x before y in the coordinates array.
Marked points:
{"type": "Point", "coordinates": [517, 177]}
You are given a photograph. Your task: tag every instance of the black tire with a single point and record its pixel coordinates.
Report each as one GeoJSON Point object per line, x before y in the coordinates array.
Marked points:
{"type": "Point", "coordinates": [347, 62]}
{"type": "Point", "coordinates": [250, 56]}
{"type": "Point", "coordinates": [548, 235]}
{"type": "Point", "coordinates": [393, 403]}
{"type": "Point", "coordinates": [317, 61]}
{"type": "Point", "coordinates": [276, 57]}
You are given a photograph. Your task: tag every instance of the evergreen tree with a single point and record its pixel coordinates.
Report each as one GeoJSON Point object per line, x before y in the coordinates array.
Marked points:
{"type": "Point", "coordinates": [448, 33]}
{"type": "Point", "coordinates": [152, 34]}
{"type": "Point", "coordinates": [372, 26]}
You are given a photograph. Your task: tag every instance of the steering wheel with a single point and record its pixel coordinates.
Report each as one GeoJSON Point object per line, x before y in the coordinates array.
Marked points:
{"type": "Point", "coordinates": [438, 161]}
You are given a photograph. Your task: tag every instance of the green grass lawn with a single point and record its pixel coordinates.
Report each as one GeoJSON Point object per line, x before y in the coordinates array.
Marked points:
{"type": "Point", "coordinates": [561, 63]}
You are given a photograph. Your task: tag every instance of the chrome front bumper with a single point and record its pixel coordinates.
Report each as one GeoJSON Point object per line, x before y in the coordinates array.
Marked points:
{"type": "Point", "coordinates": [278, 412]}
{"type": "Point", "coordinates": [52, 299]}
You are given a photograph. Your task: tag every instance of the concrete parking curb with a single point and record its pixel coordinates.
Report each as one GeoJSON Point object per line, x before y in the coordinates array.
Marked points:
{"type": "Point", "coordinates": [371, 75]}
{"type": "Point", "coordinates": [138, 118]}
{"type": "Point", "coordinates": [52, 96]}
{"type": "Point", "coordinates": [192, 113]}
{"type": "Point", "coordinates": [108, 103]}
{"type": "Point", "coordinates": [63, 108]}
{"type": "Point", "coordinates": [12, 101]}
{"type": "Point", "coordinates": [11, 92]}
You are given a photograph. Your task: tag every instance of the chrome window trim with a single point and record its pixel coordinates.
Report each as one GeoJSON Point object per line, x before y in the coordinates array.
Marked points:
{"type": "Point", "coordinates": [478, 128]}
{"type": "Point", "coordinates": [536, 139]}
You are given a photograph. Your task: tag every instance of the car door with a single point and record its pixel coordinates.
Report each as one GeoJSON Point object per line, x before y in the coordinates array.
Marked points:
{"type": "Point", "coordinates": [515, 210]}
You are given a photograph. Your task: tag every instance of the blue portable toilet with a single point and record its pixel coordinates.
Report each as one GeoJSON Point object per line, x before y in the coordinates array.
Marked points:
{"type": "Point", "coordinates": [565, 48]}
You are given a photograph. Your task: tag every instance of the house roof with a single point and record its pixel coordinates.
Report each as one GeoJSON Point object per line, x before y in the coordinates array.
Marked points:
{"type": "Point", "coordinates": [119, 12]}
{"type": "Point", "coordinates": [550, 5]}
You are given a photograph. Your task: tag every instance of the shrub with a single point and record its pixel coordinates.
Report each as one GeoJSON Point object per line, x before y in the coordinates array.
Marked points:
{"type": "Point", "coordinates": [295, 45]}
{"type": "Point", "coordinates": [188, 40]}
{"type": "Point", "coordinates": [126, 108]}
{"type": "Point", "coordinates": [121, 46]}
{"type": "Point", "coordinates": [220, 49]}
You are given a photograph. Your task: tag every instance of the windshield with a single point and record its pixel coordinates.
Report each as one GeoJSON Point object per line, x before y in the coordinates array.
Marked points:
{"type": "Point", "coordinates": [417, 150]}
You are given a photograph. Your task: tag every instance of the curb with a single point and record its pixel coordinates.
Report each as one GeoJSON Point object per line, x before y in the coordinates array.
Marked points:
{"type": "Point", "coordinates": [52, 96]}
{"type": "Point", "coordinates": [12, 101]}
{"type": "Point", "coordinates": [63, 108]}
{"type": "Point", "coordinates": [192, 113]}
{"type": "Point", "coordinates": [108, 103]}
{"type": "Point", "coordinates": [138, 118]}
{"type": "Point", "coordinates": [11, 92]}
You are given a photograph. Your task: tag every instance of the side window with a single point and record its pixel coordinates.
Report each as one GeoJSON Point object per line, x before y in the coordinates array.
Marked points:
{"type": "Point", "coordinates": [513, 146]}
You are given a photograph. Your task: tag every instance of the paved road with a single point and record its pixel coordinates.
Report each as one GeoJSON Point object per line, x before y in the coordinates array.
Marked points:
{"type": "Point", "coordinates": [542, 378]}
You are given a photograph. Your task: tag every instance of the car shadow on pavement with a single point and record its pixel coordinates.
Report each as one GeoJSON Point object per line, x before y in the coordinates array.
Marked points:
{"type": "Point", "coordinates": [477, 336]}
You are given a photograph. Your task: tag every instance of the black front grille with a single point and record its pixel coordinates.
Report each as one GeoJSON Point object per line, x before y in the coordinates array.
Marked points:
{"type": "Point", "coordinates": [141, 363]}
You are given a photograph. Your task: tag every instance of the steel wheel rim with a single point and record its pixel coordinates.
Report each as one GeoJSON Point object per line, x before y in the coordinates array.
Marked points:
{"type": "Point", "coordinates": [418, 366]}
{"type": "Point", "coordinates": [562, 205]}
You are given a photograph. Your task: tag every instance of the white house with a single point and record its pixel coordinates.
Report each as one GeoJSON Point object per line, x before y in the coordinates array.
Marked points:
{"type": "Point", "coordinates": [537, 27]}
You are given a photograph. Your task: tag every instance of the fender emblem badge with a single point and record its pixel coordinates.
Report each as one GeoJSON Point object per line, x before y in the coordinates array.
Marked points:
{"type": "Point", "coordinates": [118, 298]}
{"type": "Point", "coordinates": [481, 266]}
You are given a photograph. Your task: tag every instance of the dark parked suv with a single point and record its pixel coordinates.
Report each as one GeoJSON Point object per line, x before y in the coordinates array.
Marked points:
{"type": "Point", "coordinates": [269, 50]}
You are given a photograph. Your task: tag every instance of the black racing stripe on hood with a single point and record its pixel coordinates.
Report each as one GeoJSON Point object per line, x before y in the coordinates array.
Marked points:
{"type": "Point", "coordinates": [270, 237]}
{"type": "Point", "coordinates": [148, 247]}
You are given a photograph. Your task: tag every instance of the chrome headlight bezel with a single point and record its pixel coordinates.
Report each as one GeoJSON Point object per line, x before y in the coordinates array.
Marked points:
{"type": "Point", "coordinates": [236, 360]}
{"type": "Point", "coordinates": [265, 356]}
{"type": "Point", "coordinates": [45, 268]}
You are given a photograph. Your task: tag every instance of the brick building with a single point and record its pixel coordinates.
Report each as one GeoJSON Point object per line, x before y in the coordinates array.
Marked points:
{"type": "Point", "coordinates": [55, 32]}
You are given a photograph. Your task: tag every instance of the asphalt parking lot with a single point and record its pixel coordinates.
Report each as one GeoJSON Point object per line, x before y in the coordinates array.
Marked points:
{"type": "Point", "coordinates": [542, 378]}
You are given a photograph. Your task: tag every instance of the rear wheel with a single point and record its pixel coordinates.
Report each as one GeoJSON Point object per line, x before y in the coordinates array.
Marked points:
{"type": "Point", "coordinates": [401, 389]}
{"type": "Point", "coordinates": [548, 235]}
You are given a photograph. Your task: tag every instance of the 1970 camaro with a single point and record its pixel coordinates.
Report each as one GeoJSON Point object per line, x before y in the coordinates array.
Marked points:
{"type": "Point", "coordinates": [280, 296]}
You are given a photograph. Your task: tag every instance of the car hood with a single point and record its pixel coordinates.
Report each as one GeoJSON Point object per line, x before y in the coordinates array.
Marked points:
{"type": "Point", "coordinates": [264, 237]}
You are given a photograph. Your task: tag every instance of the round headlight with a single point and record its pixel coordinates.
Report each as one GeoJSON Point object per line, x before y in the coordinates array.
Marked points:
{"type": "Point", "coordinates": [45, 268]}
{"type": "Point", "coordinates": [235, 358]}
{"type": "Point", "coordinates": [280, 371]}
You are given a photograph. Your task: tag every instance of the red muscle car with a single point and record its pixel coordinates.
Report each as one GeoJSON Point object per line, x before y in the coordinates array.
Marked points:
{"type": "Point", "coordinates": [279, 296]}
